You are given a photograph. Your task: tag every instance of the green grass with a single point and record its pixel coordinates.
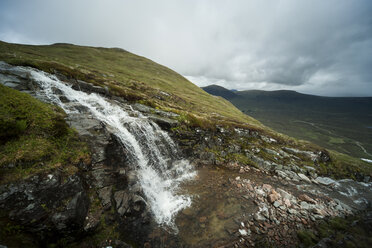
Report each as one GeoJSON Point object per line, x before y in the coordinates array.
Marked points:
{"type": "Point", "coordinates": [133, 77]}
{"type": "Point", "coordinates": [344, 166]}
{"type": "Point", "coordinates": [337, 228]}
{"type": "Point", "coordinates": [34, 137]}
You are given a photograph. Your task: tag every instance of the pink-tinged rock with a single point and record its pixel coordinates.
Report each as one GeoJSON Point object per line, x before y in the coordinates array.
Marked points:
{"type": "Point", "coordinates": [202, 219]}
{"type": "Point", "coordinates": [287, 202]}
{"type": "Point", "coordinates": [306, 198]}
{"type": "Point", "coordinates": [320, 212]}
{"type": "Point", "coordinates": [304, 221]}
{"type": "Point", "coordinates": [267, 187]}
{"type": "Point", "coordinates": [273, 197]}
{"type": "Point", "coordinates": [249, 187]}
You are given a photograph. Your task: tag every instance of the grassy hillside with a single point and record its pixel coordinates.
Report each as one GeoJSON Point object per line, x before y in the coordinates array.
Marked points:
{"type": "Point", "coordinates": [136, 79]}
{"type": "Point", "coordinates": [34, 137]}
{"type": "Point", "coordinates": [133, 77]}
{"type": "Point", "coordinates": [340, 123]}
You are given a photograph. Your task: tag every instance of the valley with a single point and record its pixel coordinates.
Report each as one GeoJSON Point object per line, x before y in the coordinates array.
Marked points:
{"type": "Point", "coordinates": [337, 123]}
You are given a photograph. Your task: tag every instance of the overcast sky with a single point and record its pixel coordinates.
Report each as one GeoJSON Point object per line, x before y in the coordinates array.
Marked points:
{"type": "Point", "coordinates": [319, 47]}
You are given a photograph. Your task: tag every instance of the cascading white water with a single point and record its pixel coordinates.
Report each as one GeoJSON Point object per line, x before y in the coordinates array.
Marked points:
{"type": "Point", "coordinates": [153, 151]}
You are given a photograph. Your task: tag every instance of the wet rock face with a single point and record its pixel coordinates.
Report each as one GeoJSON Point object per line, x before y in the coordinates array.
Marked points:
{"type": "Point", "coordinates": [54, 205]}
{"type": "Point", "coordinates": [46, 205]}
{"type": "Point", "coordinates": [113, 180]}
{"type": "Point", "coordinates": [201, 145]}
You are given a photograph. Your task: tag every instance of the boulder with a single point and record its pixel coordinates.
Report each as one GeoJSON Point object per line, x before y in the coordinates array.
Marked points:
{"type": "Point", "coordinates": [307, 154]}
{"type": "Point", "coordinates": [273, 197]}
{"type": "Point", "coordinates": [325, 181]}
{"type": "Point", "coordinates": [163, 122]}
{"type": "Point", "coordinates": [304, 178]}
{"type": "Point", "coordinates": [122, 201]}
{"type": "Point", "coordinates": [306, 198]}
{"type": "Point", "coordinates": [46, 203]}
{"type": "Point", "coordinates": [105, 196]}
{"type": "Point", "coordinates": [267, 187]}
{"type": "Point", "coordinates": [284, 194]}
{"type": "Point", "coordinates": [149, 110]}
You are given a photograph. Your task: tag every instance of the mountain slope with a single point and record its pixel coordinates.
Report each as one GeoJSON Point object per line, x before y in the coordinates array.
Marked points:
{"type": "Point", "coordinates": [125, 74]}
{"type": "Point", "coordinates": [82, 187]}
{"type": "Point", "coordinates": [217, 90]}
{"type": "Point", "coordinates": [339, 123]}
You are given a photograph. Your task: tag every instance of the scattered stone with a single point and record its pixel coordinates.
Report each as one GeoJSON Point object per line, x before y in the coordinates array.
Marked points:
{"type": "Point", "coordinates": [105, 196]}
{"type": "Point", "coordinates": [244, 232]}
{"type": "Point", "coordinates": [304, 178]}
{"type": "Point", "coordinates": [267, 187]}
{"type": "Point", "coordinates": [292, 211]}
{"type": "Point", "coordinates": [281, 173]}
{"type": "Point", "coordinates": [273, 197]}
{"type": "Point", "coordinates": [122, 202]}
{"type": "Point", "coordinates": [259, 217]}
{"type": "Point", "coordinates": [305, 205]}
{"type": "Point", "coordinates": [202, 219]}
{"type": "Point", "coordinates": [287, 203]}
{"type": "Point", "coordinates": [306, 198]}
{"type": "Point", "coordinates": [249, 187]}
{"type": "Point", "coordinates": [284, 194]}
{"type": "Point", "coordinates": [325, 181]}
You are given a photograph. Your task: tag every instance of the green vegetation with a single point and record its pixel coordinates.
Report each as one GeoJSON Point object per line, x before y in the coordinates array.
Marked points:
{"type": "Point", "coordinates": [34, 137]}
{"type": "Point", "coordinates": [15, 235]}
{"type": "Point", "coordinates": [350, 232]}
{"type": "Point", "coordinates": [338, 123]}
{"type": "Point", "coordinates": [133, 77]}
{"type": "Point", "coordinates": [344, 166]}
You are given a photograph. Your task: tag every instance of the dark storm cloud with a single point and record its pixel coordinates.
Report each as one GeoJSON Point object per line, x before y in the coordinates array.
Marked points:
{"type": "Point", "coordinates": [318, 46]}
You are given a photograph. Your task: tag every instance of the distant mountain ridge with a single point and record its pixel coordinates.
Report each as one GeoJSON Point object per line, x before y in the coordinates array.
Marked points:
{"type": "Point", "coordinates": [272, 98]}
{"type": "Point", "coordinates": [219, 91]}
{"type": "Point", "coordinates": [339, 123]}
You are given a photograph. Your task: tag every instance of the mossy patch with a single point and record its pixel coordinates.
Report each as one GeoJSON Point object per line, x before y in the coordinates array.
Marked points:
{"type": "Point", "coordinates": [34, 137]}
{"type": "Point", "coordinates": [341, 232]}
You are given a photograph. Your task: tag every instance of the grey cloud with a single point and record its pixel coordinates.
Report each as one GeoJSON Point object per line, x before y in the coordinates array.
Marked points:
{"type": "Point", "coordinates": [321, 47]}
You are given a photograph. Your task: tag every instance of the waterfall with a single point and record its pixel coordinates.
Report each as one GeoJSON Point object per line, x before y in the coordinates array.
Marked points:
{"type": "Point", "coordinates": [153, 153]}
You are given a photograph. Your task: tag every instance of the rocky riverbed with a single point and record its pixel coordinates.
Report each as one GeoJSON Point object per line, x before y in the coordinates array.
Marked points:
{"type": "Point", "coordinates": [233, 208]}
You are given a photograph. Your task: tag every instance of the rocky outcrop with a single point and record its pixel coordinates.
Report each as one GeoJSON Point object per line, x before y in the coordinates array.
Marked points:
{"type": "Point", "coordinates": [98, 196]}
{"type": "Point", "coordinates": [49, 206]}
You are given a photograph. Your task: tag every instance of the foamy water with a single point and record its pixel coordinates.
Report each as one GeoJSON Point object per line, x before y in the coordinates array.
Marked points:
{"type": "Point", "coordinates": [153, 153]}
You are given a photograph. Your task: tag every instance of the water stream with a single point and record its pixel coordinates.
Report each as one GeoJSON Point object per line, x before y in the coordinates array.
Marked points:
{"type": "Point", "coordinates": [152, 152]}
